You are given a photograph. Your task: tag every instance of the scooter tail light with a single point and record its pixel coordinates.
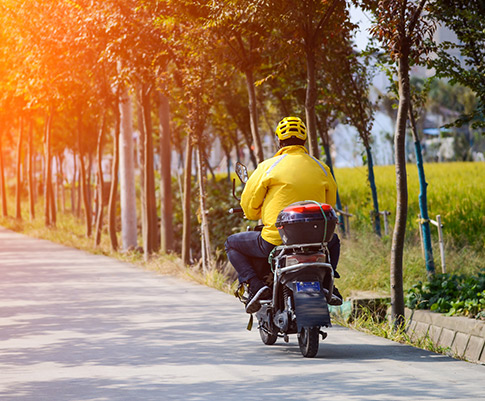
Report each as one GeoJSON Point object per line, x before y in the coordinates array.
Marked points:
{"type": "Point", "coordinates": [321, 259]}
{"type": "Point", "coordinates": [296, 259]}
{"type": "Point", "coordinates": [291, 261]}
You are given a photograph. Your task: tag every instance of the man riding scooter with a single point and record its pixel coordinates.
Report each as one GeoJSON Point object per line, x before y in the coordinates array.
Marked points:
{"type": "Point", "coordinates": [290, 176]}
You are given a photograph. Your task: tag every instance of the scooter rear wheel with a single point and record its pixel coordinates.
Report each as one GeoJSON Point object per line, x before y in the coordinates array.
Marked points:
{"type": "Point", "coordinates": [308, 341]}
{"type": "Point", "coordinates": [267, 338]}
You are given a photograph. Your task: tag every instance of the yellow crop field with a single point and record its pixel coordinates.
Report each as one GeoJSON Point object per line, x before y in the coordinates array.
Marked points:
{"type": "Point", "coordinates": [456, 191]}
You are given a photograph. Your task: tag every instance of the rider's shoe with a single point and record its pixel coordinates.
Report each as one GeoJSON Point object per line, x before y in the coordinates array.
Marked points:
{"type": "Point", "coordinates": [257, 291]}
{"type": "Point", "coordinates": [337, 298]}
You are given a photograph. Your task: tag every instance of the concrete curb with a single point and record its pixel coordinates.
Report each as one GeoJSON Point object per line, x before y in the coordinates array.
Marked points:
{"type": "Point", "coordinates": [464, 337]}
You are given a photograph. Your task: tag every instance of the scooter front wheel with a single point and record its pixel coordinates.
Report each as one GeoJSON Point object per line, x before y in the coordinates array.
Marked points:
{"type": "Point", "coordinates": [308, 341]}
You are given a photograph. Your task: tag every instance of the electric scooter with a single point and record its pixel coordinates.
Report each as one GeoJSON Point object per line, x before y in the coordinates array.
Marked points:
{"type": "Point", "coordinates": [302, 276]}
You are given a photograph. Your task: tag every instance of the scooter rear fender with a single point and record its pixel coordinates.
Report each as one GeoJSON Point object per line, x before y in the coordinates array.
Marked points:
{"type": "Point", "coordinates": [311, 307]}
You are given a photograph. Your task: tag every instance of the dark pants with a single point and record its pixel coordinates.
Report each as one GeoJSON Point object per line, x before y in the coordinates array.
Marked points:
{"type": "Point", "coordinates": [248, 252]}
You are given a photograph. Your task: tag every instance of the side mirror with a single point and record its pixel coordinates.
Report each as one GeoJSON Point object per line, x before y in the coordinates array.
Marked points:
{"type": "Point", "coordinates": [242, 172]}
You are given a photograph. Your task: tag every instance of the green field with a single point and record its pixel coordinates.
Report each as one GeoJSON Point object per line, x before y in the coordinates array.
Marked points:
{"type": "Point", "coordinates": [456, 191]}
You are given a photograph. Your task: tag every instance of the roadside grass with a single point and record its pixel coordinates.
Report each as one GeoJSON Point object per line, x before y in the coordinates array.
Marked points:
{"type": "Point", "coordinates": [365, 260]}
{"type": "Point", "coordinates": [370, 324]}
{"type": "Point", "coordinates": [68, 230]}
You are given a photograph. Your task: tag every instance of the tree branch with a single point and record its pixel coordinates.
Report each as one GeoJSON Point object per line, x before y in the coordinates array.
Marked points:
{"type": "Point", "coordinates": [415, 18]}
{"type": "Point", "coordinates": [324, 19]}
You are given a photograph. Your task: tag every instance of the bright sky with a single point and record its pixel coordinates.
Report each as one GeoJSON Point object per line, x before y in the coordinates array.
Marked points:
{"type": "Point", "coordinates": [363, 20]}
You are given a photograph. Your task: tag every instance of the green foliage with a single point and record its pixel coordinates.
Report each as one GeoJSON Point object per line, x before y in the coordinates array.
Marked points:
{"type": "Point", "coordinates": [466, 20]}
{"type": "Point", "coordinates": [222, 224]}
{"type": "Point", "coordinates": [453, 294]}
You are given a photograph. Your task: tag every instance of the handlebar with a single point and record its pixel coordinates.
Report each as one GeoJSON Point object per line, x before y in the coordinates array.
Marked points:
{"type": "Point", "coordinates": [234, 210]}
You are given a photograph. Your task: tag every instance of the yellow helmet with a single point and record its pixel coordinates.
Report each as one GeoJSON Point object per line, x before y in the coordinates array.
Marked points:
{"type": "Point", "coordinates": [291, 127]}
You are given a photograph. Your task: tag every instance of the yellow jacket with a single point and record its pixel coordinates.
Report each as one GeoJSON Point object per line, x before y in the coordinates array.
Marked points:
{"type": "Point", "coordinates": [292, 175]}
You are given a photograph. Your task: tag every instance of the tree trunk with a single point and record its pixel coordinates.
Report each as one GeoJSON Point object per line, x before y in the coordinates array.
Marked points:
{"type": "Point", "coordinates": [253, 116]}
{"type": "Point", "coordinates": [208, 166]}
{"type": "Point", "coordinates": [166, 227]}
{"type": "Point", "coordinates": [48, 171]}
{"type": "Point", "coordinates": [84, 194]}
{"type": "Point", "coordinates": [18, 191]}
{"type": "Point", "coordinates": [236, 145]}
{"type": "Point", "coordinates": [397, 249]}
{"type": "Point", "coordinates": [61, 182]}
{"type": "Point", "coordinates": [151, 223]}
{"type": "Point", "coordinates": [323, 129]}
{"type": "Point", "coordinates": [186, 209]}
{"type": "Point", "coordinates": [127, 176]}
{"type": "Point", "coordinates": [252, 156]}
{"type": "Point", "coordinates": [35, 188]}
{"type": "Point", "coordinates": [373, 188]}
{"type": "Point", "coordinates": [57, 158]}
{"type": "Point", "coordinates": [423, 197]}
{"type": "Point", "coordinates": [310, 101]}
{"type": "Point", "coordinates": [82, 178]}
{"type": "Point", "coordinates": [204, 224]}
{"type": "Point", "coordinates": [283, 103]}
{"type": "Point", "coordinates": [96, 208]}
{"type": "Point", "coordinates": [3, 189]}
{"type": "Point", "coordinates": [100, 189]}
{"type": "Point", "coordinates": [52, 203]}
{"type": "Point", "coordinates": [141, 157]}
{"type": "Point", "coordinates": [114, 182]}
{"type": "Point", "coordinates": [30, 167]}
{"type": "Point", "coordinates": [89, 187]}
{"type": "Point", "coordinates": [227, 152]}
{"type": "Point", "coordinates": [78, 191]}
{"type": "Point", "coordinates": [73, 184]}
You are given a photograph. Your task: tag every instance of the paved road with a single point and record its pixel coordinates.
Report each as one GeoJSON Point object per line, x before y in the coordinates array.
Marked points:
{"type": "Point", "coordinates": [75, 326]}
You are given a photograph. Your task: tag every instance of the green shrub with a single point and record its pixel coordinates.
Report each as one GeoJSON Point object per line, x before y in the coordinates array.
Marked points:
{"type": "Point", "coordinates": [453, 294]}
{"type": "Point", "coordinates": [222, 224]}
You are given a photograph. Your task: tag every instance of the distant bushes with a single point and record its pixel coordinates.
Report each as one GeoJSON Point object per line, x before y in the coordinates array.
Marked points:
{"type": "Point", "coordinates": [222, 224]}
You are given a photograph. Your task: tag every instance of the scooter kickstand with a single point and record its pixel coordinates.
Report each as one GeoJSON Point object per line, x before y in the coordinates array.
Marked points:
{"type": "Point", "coordinates": [324, 335]}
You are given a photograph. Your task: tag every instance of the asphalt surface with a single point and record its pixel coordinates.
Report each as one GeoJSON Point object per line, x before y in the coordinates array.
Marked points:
{"type": "Point", "coordinates": [76, 326]}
